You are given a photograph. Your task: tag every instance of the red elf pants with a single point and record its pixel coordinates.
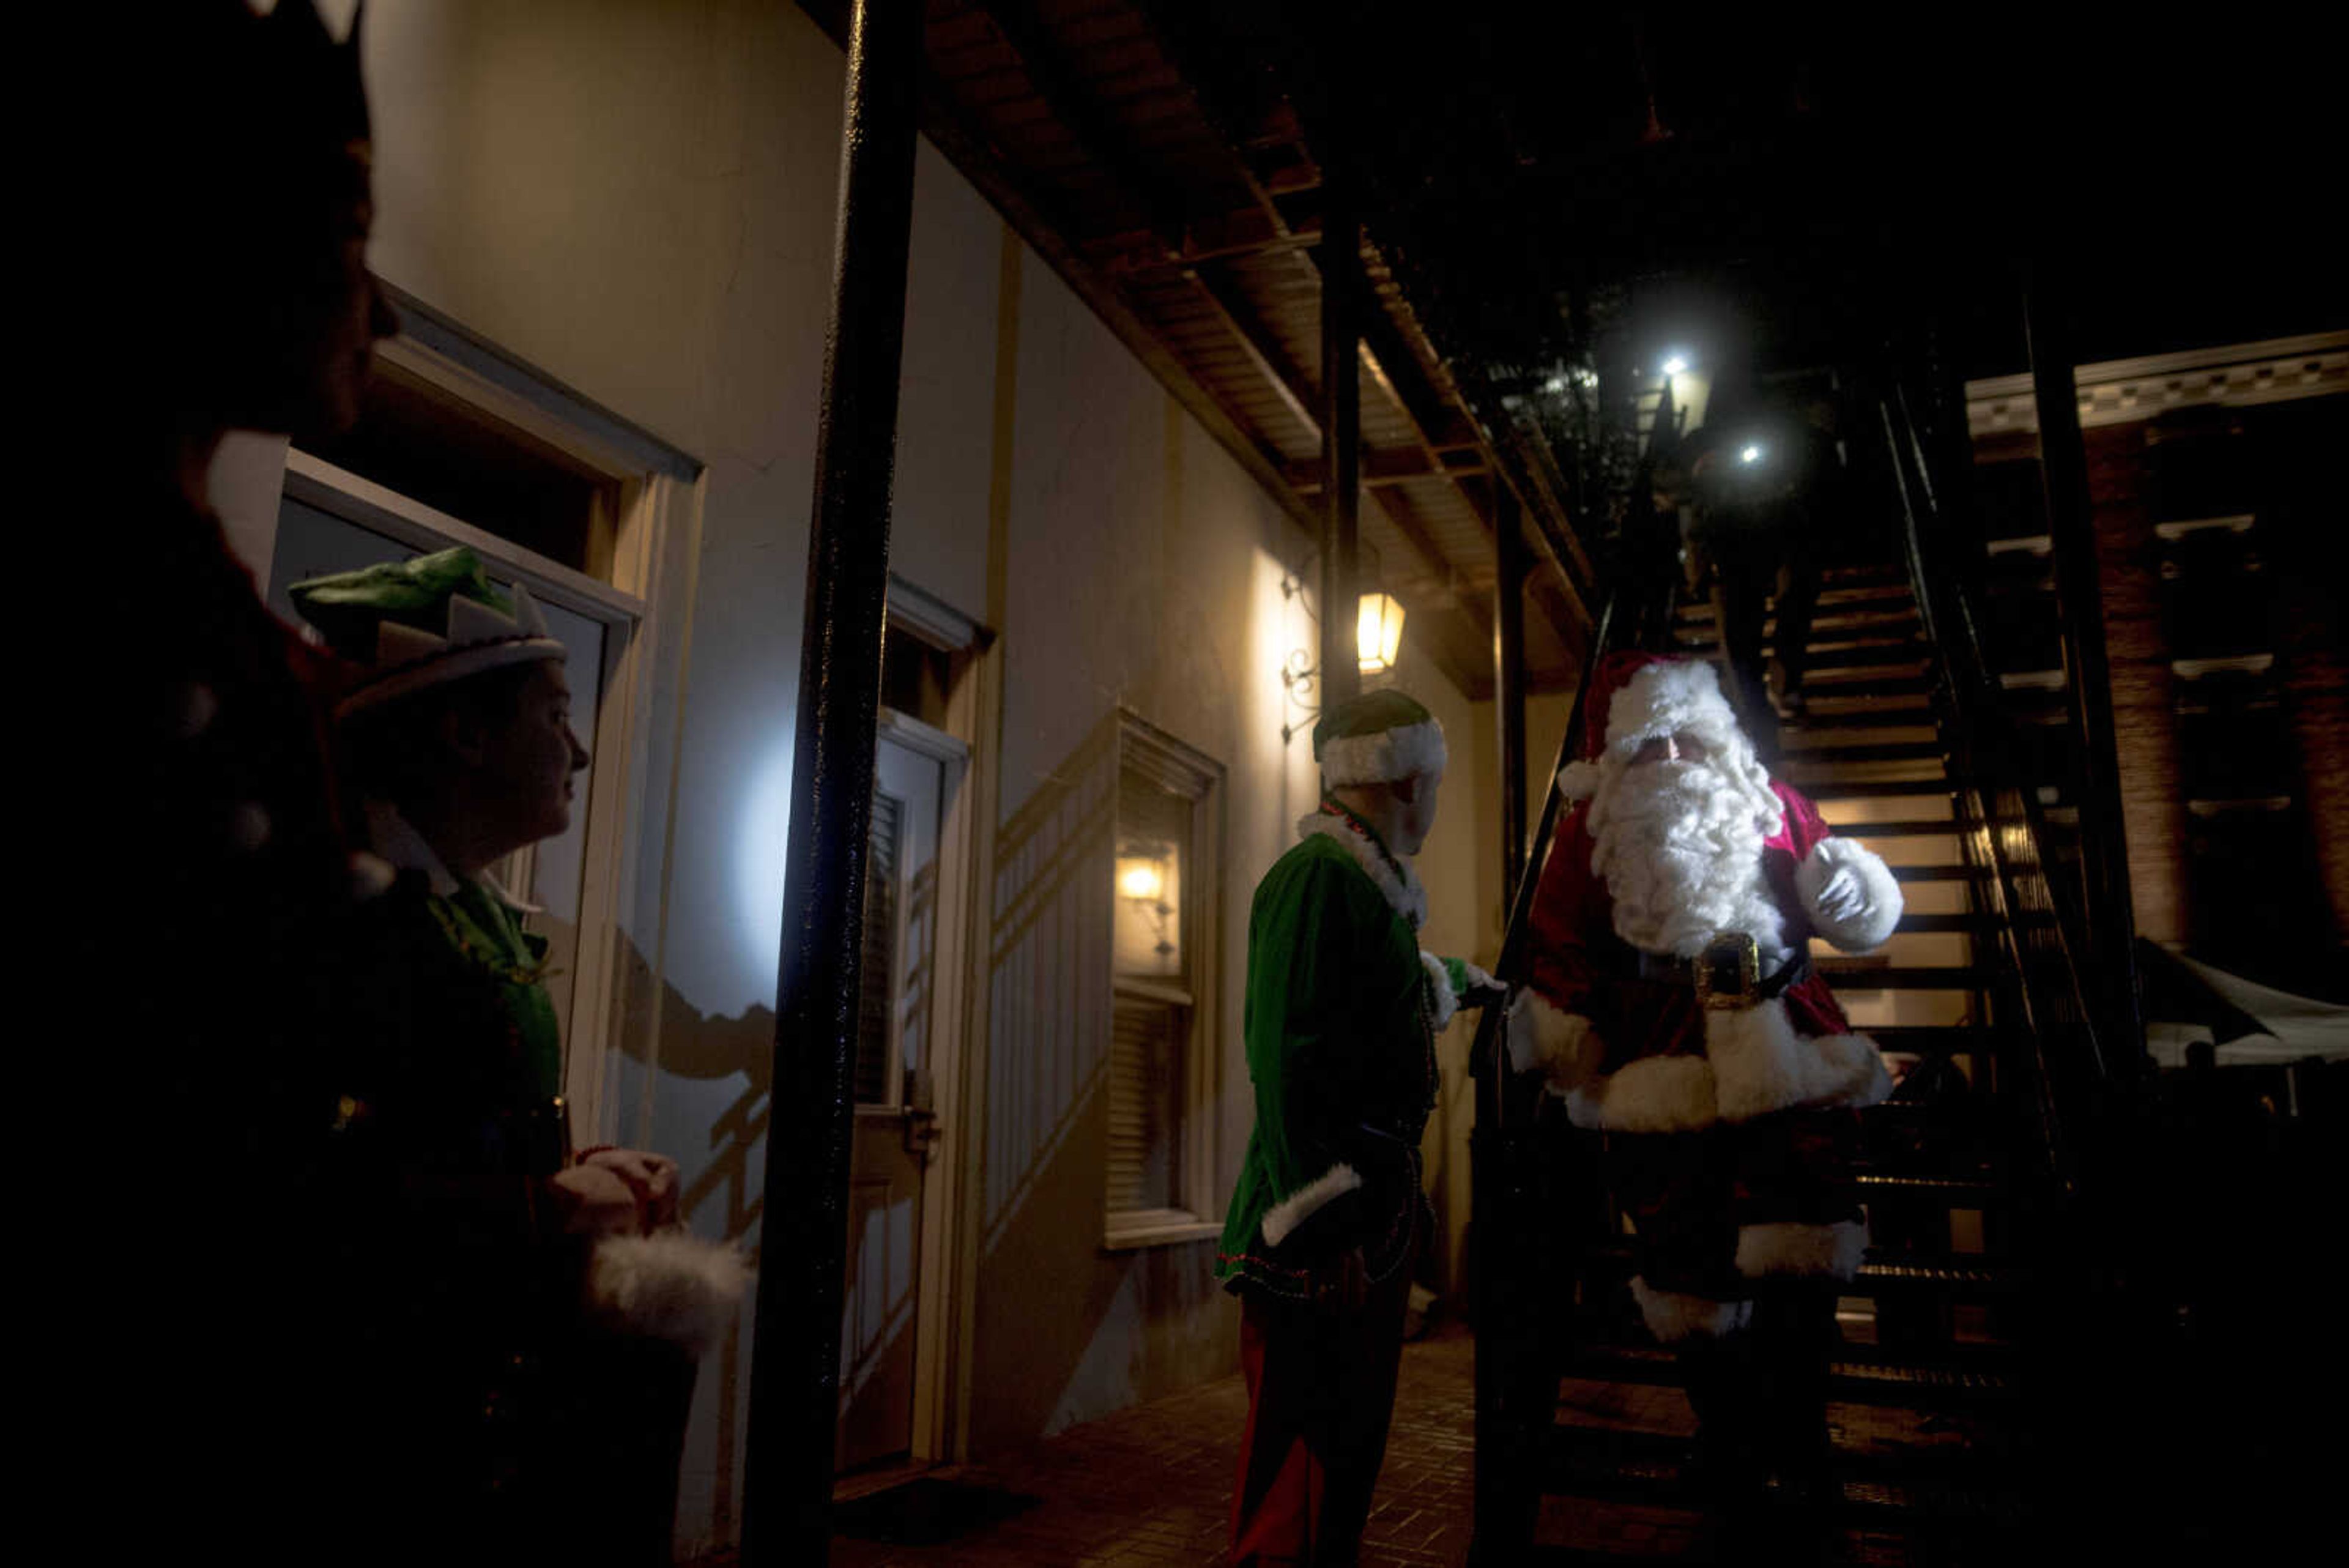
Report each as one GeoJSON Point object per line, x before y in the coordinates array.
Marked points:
{"type": "Point", "coordinates": [1321, 1388]}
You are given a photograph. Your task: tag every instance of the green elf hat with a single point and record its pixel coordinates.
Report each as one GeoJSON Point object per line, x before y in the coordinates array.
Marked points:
{"type": "Point", "coordinates": [414, 624]}
{"type": "Point", "coordinates": [1379, 737]}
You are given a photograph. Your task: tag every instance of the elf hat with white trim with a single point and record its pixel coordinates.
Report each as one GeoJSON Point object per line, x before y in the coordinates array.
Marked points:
{"type": "Point", "coordinates": [1378, 737]}
{"type": "Point", "coordinates": [411, 626]}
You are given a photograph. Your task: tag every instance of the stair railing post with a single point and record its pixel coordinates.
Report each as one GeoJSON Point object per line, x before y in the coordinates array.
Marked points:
{"type": "Point", "coordinates": [2087, 673]}
{"type": "Point", "coordinates": [804, 1225]}
{"type": "Point", "coordinates": [1509, 681]}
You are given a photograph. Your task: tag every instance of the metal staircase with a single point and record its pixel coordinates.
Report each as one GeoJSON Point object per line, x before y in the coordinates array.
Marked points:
{"type": "Point", "coordinates": [1972, 1169]}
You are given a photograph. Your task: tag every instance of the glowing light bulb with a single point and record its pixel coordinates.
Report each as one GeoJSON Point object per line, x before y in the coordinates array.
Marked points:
{"type": "Point", "coordinates": [1140, 879]}
{"type": "Point", "coordinates": [1750, 454]}
{"type": "Point", "coordinates": [1677, 365]}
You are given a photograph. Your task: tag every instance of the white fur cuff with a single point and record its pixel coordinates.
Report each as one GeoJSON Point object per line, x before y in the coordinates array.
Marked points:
{"type": "Point", "coordinates": [1852, 897]}
{"type": "Point", "coordinates": [672, 1285]}
{"type": "Point", "coordinates": [1405, 751]}
{"type": "Point", "coordinates": [1281, 1220]}
{"type": "Point", "coordinates": [1561, 1046]}
{"type": "Point", "coordinates": [1438, 981]}
{"type": "Point", "coordinates": [1675, 1316]}
{"type": "Point", "coordinates": [1761, 1065]}
{"type": "Point", "coordinates": [1652, 1095]}
{"type": "Point", "coordinates": [1807, 1251]}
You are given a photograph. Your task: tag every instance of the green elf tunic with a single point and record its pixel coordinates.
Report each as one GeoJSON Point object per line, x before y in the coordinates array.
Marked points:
{"type": "Point", "coordinates": [1341, 1013]}
{"type": "Point", "coordinates": [454, 1124]}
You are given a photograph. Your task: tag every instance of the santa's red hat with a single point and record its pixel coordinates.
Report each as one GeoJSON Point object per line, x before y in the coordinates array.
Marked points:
{"type": "Point", "coordinates": [1636, 696]}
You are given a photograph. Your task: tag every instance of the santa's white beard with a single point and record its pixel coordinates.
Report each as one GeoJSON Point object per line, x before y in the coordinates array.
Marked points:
{"type": "Point", "coordinates": [1681, 850]}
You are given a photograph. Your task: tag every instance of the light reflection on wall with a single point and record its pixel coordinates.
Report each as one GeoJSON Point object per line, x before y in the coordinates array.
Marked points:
{"type": "Point", "coordinates": [1277, 627]}
{"type": "Point", "coordinates": [760, 844]}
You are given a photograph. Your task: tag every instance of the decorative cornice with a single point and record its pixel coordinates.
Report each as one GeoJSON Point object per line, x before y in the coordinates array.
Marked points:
{"type": "Point", "coordinates": [2118, 391]}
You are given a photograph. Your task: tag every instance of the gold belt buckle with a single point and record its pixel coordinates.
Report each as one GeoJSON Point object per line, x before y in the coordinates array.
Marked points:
{"type": "Point", "coordinates": [1729, 972]}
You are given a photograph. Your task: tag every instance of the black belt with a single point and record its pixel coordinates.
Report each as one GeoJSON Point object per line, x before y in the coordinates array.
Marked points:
{"type": "Point", "coordinates": [1676, 971]}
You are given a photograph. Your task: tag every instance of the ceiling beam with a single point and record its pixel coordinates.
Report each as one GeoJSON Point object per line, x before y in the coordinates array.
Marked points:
{"type": "Point", "coordinates": [1265, 353]}
{"type": "Point", "coordinates": [1389, 465]}
{"type": "Point", "coordinates": [1027, 36]}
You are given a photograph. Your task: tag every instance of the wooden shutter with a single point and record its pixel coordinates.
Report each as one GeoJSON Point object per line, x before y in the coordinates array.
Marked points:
{"type": "Point", "coordinates": [1145, 1090]}
{"type": "Point", "coordinates": [876, 988]}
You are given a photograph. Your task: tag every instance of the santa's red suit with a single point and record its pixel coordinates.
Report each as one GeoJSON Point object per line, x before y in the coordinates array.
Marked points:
{"type": "Point", "coordinates": [1750, 1106]}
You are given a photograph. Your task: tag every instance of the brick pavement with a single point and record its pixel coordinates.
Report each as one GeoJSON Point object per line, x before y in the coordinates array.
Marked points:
{"type": "Point", "coordinates": [1150, 1487]}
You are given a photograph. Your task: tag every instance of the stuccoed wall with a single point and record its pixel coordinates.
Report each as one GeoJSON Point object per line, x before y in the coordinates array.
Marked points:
{"type": "Point", "coordinates": [637, 196]}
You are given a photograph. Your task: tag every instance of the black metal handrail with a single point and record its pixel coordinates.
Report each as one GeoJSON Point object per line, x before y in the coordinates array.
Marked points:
{"type": "Point", "coordinates": [2003, 829]}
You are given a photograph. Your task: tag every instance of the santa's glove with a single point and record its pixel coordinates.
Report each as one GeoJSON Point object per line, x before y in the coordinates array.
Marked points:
{"type": "Point", "coordinates": [1562, 1046]}
{"type": "Point", "coordinates": [1851, 896]}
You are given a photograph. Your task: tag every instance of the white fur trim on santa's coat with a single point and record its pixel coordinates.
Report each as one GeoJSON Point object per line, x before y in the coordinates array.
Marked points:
{"type": "Point", "coordinates": [1760, 1064]}
{"type": "Point", "coordinates": [1390, 755]}
{"type": "Point", "coordinates": [1562, 1046]}
{"type": "Point", "coordinates": [1804, 1251]}
{"type": "Point", "coordinates": [1281, 1220]}
{"type": "Point", "coordinates": [1578, 780]}
{"type": "Point", "coordinates": [672, 1285]}
{"type": "Point", "coordinates": [1652, 1095]}
{"type": "Point", "coordinates": [1404, 895]}
{"type": "Point", "coordinates": [1860, 927]}
{"type": "Point", "coordinates": [1673, 1316]}
{"type": "Point", "coordinates": [1438, 981]}
{"type": "Point", "coordinates": [1667, 698]}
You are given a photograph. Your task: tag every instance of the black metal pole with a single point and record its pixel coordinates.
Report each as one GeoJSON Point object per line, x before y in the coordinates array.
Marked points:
{"type": "Point", "coordinates": [2103, 846]}
{"type": "Point", "coordinates": [1509, 682]}
{"type": "Point", "coordinates": [803, 1228]}
{"type": "Point", "coordinates": [1341, 434]}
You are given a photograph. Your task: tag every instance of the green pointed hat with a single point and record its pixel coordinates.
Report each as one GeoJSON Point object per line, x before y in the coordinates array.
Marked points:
{"type": "Point", "coordinates": [1379, 737]}
{"type": "Point", "coordinates": [414, 624]}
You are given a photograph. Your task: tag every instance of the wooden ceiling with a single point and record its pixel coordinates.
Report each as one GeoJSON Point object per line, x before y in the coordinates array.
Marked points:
{"type": "Point", "coordinates": [1194, 234]}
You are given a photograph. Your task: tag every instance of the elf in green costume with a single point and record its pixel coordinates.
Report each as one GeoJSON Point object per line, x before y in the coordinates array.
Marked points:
{"type": "Point", "coordinates": [1341, 1015]}
{"type": "Point", "coordinates": [523, 1413]}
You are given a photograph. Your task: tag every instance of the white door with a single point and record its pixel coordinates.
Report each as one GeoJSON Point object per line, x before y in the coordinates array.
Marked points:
{"type": "Point", "coordinates": [916, 770]}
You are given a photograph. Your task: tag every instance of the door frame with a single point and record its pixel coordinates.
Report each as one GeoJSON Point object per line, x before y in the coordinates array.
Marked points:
{"type": "Point", "coordinates": [966, 838]}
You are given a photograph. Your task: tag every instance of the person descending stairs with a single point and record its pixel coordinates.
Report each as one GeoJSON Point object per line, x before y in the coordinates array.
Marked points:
{"type": "Point", "coordinates": [1932, 1366]}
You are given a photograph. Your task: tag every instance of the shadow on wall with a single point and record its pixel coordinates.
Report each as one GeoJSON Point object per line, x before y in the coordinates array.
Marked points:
{"type": "Point", "coordinates": [1064, 1330]}
{"type": "Point", "coordinates": [722, 1195]}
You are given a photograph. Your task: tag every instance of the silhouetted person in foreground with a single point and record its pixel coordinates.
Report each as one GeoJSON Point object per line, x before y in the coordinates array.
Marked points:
{"type": "Point", "coordinates": [204, 933]}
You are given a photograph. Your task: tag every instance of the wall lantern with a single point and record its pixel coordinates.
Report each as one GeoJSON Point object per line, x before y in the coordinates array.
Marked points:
{"type": "Point", "coordinates": [1378, 633]}
{"type": "Point", "coordinates": [1146, 934]}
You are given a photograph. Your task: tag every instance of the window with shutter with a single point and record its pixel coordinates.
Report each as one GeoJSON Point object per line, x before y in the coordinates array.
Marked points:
{"type": "Point", "coordinates": [1157, 1175]}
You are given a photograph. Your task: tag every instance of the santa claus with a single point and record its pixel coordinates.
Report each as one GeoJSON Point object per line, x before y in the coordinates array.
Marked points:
{"type": "Point", "coordinates": [1671, 998]}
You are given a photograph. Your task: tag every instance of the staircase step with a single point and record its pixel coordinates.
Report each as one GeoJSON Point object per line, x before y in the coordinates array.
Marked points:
{"type": "Point", "coordinates": [1964, 1191]}
{"type": "Point", "coordinates": [1890, 571]}
{"type": "Point", "coordinates": [1913, 828]}
{"type": "Point", "coordinates": [1965, 1278]}
{"type": "Point", "coordinates": [1852, 1380]}
{"type": "Point", "coordinates": [1859, 789]}
{"type": "Point", "coordinates": [1869, 752]}
{"type": "Point", "coordinates": [1864, 656]}
{"type": "Point", "coordinates": [1853, 618]}
{"type": "Point", "coordinates": [1616, 1464]}
{"type": "Point", "coordinates": [1842, 599]}
{"type": "Point", "coordinates": [1917, 717]}
{"type": "Point", "coordinates": [1931, 1039]}
{"type": "Point", "coordinates": [1938, 874]}
{"type": "Point", "coordinates": [1849, 974]}
{"type": "Point", "coordinates": [1972, 924]}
